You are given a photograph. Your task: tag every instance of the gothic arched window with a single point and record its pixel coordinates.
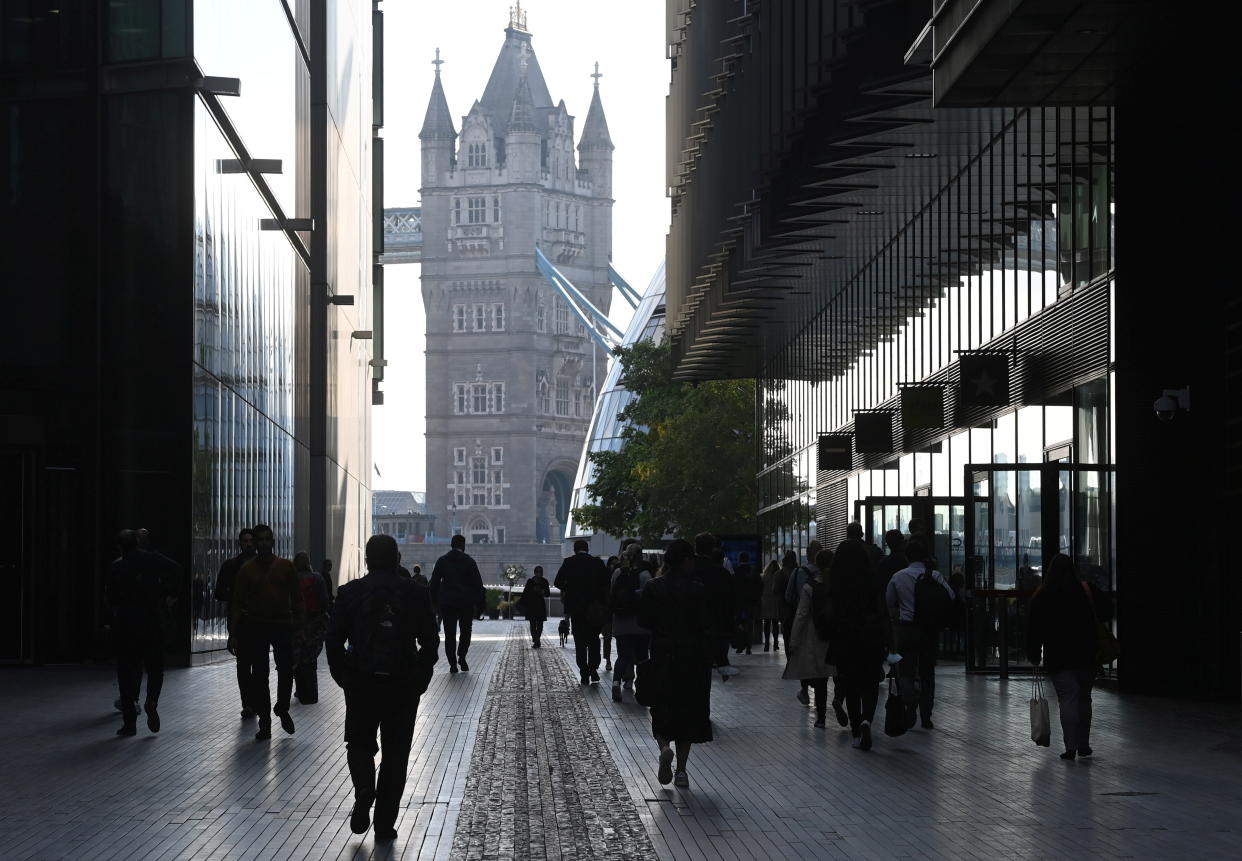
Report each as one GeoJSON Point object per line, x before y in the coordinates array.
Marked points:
{"type": "Point", "coordinates": [476, 154]}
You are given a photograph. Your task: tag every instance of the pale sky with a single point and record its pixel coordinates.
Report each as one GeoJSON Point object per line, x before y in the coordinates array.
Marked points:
{"type": "Point", "coordinates": [569, 36]}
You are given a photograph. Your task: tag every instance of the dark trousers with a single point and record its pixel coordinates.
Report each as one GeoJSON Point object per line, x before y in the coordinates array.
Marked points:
{"type": "Point", "coordinates": [820, 686]}
{"type": "Point", "coordinates": [606, 636]}
{"type": "Point", "coordinates": [257, 638]}
{"type": "Point", "coordinates": [631, 651]}
{"type": "Point", "coordinates": [137, 651]}
{"type": "Point", "coordinates": [1074, 698]}
{"type": "Point", "coordinates": [390, 712]}
{"type": "Point", "coordinates": [245, 678]}
{"type": "Point", "coordinates": [771, 629]}
{"type": "Point", "coordinates": [917, 647]}
{"type": "Point", "coordinates": [452, 619]}
{"type": "Point", "coordinates": [536, 630]}
{"type": "Point", "coordinates": [586, 643]}
{"type": "Point", "coordinates": [855, 682]}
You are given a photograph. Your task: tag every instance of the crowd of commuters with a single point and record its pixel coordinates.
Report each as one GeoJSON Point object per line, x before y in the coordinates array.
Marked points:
{"type": "Point", "coordinates": [847, 616]}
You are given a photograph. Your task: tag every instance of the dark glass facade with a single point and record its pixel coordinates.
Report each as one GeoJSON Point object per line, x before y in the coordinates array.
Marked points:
{"type": "Point", "coordinates": [881, 205]}
{"type": "Point", "coordinates": [176, 374]}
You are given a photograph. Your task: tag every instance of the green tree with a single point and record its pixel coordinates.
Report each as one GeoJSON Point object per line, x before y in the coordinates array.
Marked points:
{"type": "Point", "coordinates": [687, 462]}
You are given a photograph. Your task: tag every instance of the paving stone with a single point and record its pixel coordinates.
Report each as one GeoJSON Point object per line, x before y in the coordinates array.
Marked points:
{"type": "Point", "coordinates": [542, 783]}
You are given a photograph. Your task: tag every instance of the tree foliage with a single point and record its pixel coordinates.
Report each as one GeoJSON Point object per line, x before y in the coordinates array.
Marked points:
{"type": "Point", "coordinates": [687, 461]}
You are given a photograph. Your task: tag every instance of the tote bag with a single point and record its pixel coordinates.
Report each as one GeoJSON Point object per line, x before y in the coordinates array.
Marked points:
{"type": "Point", "coordinates": [1041, 729]}
{"type": "Point", "coordinates": [896, 714]}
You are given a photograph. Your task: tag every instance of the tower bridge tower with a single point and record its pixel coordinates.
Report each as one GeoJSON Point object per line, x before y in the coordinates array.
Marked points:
{"type": "Point", "coordinates": [510, 374]}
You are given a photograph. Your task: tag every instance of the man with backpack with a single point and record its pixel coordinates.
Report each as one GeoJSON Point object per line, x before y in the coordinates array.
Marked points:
{"type": "Point", "coordinates": [457, 591]}
{"type": "Point", "coordinates": [920, 602]}
{"type": "Point", "coordinates": [633, 639]}
{"type": "Point", "coordinates": [393, 644]}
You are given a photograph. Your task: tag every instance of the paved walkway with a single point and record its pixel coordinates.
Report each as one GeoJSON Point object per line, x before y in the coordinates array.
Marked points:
{"type": "Point", "coordinates": [516, 760]}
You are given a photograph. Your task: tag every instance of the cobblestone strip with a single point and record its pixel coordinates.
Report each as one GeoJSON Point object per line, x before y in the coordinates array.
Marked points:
{"type": "Point", "coordinates": [542, 783]}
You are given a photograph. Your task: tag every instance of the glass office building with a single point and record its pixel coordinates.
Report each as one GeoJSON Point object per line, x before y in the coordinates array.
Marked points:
{"type": "Point", "coordinates": [948, 256]}
{"type": "Point", "coordinates": [606, 426]}
{"type": "Point", "coordinates": [186, 188]}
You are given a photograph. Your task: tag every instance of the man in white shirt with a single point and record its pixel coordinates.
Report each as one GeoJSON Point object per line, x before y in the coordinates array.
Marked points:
{"type": "Point", "coordinates": [917, 639]}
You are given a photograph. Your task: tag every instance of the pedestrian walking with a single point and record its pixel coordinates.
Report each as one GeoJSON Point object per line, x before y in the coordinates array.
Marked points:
{"type": "Point", "coordinates": [605, 633]}
{"type": "Point", "coordinates": [382, 646]}
{"type": "Point", "coordinates": [895, 560]}
{"type": "Point", "coordinates": [798, 578]}
{"type": "Point", "coordinates": [1062, 635]}
{"type": "Point", "coordinates": [772, 603]}
{"type": "Point", "coordinates": [225, 580]}
{"type": "Point", "coordinates": [309, 636]}
{"type": "Point", "coordinates": [854, 532]}
{"type": "Point", "coordinates": [633, 639]}
{"type": "Point", "coordinates": [859, 634]}
{"type": "Point", "coordinates": [917, 632]}
{"type": "Point", "coordinates": [267, 608]}
{"type": "Point", "coordinates": [748, 586]}
{"type": "Point", "coordinates": [676, 610]}
{"type": "Point", "coordinates": [718, 587]}
{"type": "Point", "coordinates": [419, 577]}
{"type": "Point", "coordinates": [457, 594]}
{"type": "Point", "coordinates": [806, 649]}
{"type": "Point", "coordinates": [534, 603]}
{"type": "Point", "coordinates": [138, 587]}
{"type": "Point", "coordinates": [583, 581]}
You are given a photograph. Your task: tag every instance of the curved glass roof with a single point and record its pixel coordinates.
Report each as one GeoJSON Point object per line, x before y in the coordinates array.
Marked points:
{"type": "Point", "coordinates": [605, 431]}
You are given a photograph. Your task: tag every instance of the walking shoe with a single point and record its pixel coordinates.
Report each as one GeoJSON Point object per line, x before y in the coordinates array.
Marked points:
{"type": "Point", "coordinates": [737, 651]}
{"type": "Point", "coordinates": [1084, 752]}
{"type": "Point", "coordinates": [665, 774]}
{"type": "Point", "coordinates": [247, 713]}
{"type": "Point", "coordinates": [594, 677]}
{"type": "Point", "coordinates": [360, 816]}
{"type": "Point", "coordinates": [865, 742]}
{"type": "Point", "coordinates": [628, 685]}
{"type": "Point", "coordinates": [856, 742]}
{"type": "Point", "coordinates": [286, 721]}
{"type": "Point", "coordinates": [264, 733]}
{"type": "Point", "coordinates": [748, 650]}
{"type": "Point", "coordinates": [452, 669]}
{"type": "Point", "coordinates": [681, 779]}
{"type": "Point", "coordinates": [1069, 754]}
{"type": "Point", "coordinates": [820, 723]}
{"type": "Point", "coordinates": [153, 718]}
{"type": "Point", "coordinates": [729, 670]}
{"type": "Point", "coordinates": [608, 665]}
{"type": "Point", "coordinates": [927, 723]}
{"type": "Point", "coordinates": [127, 729]}
{"type": "Point", "coordinates": [766, 647]}
{"type": "Point", "coordinates": [803, 697]}
{"type": "Point", "coordinates": [385, 833]}
{"type": "Point", "coordinates": [842, 718]}
{"type": "Point", "coordinates": [461, 662]}
{"type": "Point", "coordinates": [586, 677]}
{"type": "Point", "coordinates": [616, 693]}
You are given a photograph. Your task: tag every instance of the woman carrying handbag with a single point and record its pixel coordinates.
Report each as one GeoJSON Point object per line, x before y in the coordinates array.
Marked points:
{"type": "Point", "coordinates": [1062, 636]}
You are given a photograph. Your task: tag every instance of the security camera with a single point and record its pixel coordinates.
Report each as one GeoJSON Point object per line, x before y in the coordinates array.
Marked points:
{"type": "Point", "coordinates": [1165, 407]}
{"type": "Point", "coordinates": [1170, 401]}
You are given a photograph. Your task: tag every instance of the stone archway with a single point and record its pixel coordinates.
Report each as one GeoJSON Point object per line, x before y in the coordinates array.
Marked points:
{"type": "Point", "coordinates": [552, 513]}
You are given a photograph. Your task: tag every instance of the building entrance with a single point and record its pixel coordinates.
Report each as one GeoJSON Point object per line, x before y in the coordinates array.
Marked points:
{"type": "Point", "coordinates": [942, 516]}
{"type": "Point", "coordinates": [1017, 518]}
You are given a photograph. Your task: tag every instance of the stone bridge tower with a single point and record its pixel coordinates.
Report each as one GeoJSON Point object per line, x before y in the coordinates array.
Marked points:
{"type": "Point", "coordinates": [511, 374]}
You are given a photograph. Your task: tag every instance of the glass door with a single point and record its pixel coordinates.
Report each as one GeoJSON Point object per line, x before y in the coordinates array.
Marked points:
{"type": "Point", "coordinates": [1018, 518]}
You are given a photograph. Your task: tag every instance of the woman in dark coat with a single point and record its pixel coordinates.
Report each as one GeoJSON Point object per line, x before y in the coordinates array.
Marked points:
{"type": "Point", "coordinates": [1062, 634]}
{"type": "Point", "coordinates": [535, 605]}
{"type": "Point", "coordinates": [859, 633]}
{"type": "Point", "coordinates": [673, 608]}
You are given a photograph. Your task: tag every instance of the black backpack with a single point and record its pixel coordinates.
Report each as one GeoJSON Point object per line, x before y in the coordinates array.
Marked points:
{"type": "Point", "coordinates": [821, 611]}
{"type": "Point", "coordinates": [933, 607]}
{"type": "Point", "coordinates": [383, 643]}
{"type": "Point", "coordinates": [625, 592]}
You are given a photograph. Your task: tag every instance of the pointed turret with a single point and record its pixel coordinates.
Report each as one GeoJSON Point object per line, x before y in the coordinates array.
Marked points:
{"type": "Point", "coordinates": [595, 146]}
{"type": "Point", "coordinates": [438, 134]}
{"type": "Point", "coordinates": [522, 116]}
